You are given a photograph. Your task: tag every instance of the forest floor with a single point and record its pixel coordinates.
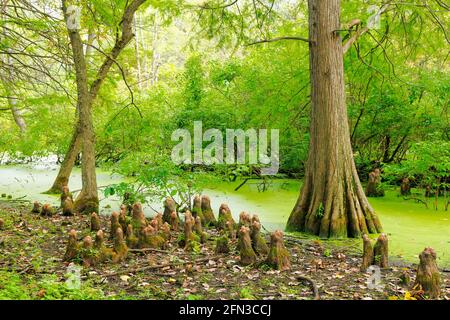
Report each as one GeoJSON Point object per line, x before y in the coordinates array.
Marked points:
{"type": "Point", "coordinates": [31, 267]}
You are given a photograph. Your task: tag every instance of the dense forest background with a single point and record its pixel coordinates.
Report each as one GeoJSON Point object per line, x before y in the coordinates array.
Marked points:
{"type": "Point", "coordinates": [212, 62]}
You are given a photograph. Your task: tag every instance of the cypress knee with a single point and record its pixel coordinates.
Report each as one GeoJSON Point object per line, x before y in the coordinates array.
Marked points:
{"type": "Point", "coordinates": [222, 245]}
{"type": "Point", "coordinates": [120, 247]}
{"type": "Point", "coordinates": [189, 236]}
{"type": "Point", "coordinates": [95, 222]}
{"type": "Point", "coordinates": [132, 239]}
{"type": "Point", "coordinates": [87, 254]}
{"type": "Point", "coordinates": [66, 202]}
{"type": "Point", "coordinates": [169, 207]}
{"type": "Point", "coordinates": [246, 251]}
{"type": "Point", "coordinates": [197, 207]}
{"type": "Point", "coordinates": [72, 246]}
{"type": "Point", "coordinates": [224, 216]}
{"type": "Point", "coordinates": [138, 218]}
{"type": "Point", "coordinates": [405, 188]}
{"type": "Point", "coordinates": [367, 259]}
{"type": "Point", "coordinates": [258, 243]}
{"type": "Point", "coordinates": [47, 210]}
{"type": "Point", "coordinates": [174, 221]}
{"type": "Point", "coordinates": [36, 207]}
{"type": "Point", "coordinates": [374, 187]}
{"type": "Point", "coordinates": [208, 214]}
{"type": "Point", "coordinates": [380, 251]}
{"type": "Point", "coordinates": [114, 224]}
{"type": "Point", "coordinates": [199, 230]}
{"type": "Point", "coordinates": [244, 220]}
{"type": "Point", "coordinates": [123, 221]}
{"type": "Point", "coordinates": [278, 257]}
{"type": "Point", "coordinates": [428, 276]}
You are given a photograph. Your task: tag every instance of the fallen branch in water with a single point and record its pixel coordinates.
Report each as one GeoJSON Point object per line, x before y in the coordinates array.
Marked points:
{"type": "Point", "coordinates": [418, 200]}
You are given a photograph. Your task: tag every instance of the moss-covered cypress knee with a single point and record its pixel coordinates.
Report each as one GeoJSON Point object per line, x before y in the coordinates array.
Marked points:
{"type": "Point", "coordinates": [123, 221]}
{"type": "Point", "coordinates": [138, 218]}
{"type": "Point", "coordinates": [189, 237]}
{"type": "Point", "coordinates": [174, 221]}
{"type": "Point", "coordinates": [208, 215]}
{"type": "Point", "coordinates": [258, 242]}
{"type": "Point", "coordinates": [72, 248]}
{"type": "Point", "coordinates": [132, 238]}
{"type": "Point", "coordinates": [244, 220]}
{"type": "Point", "coordinates": [169, 207]}
{"type": "Point", "coordinates": [380, 251]}
{"type": "Point", "coordinates": [367, 258]}
{"type": "Point", "coordinates": [120, 247]}
{"type": "Point", "coordinates": [164, 231]}
{"type": "Point", "coordinates": [47, 210]}
{"type": "Point", "coordinates": [114, 224]}
{"type": "Point", "coordinates": [95, 222]}
{"type": "Point", "coordinates": [66, 202]}
{"type": "Point", "coordinates": [428, 277]}
{"type": "Point", "coordinates": [224, 216]}
{"type": "Point", "coordinates": [36, 207]}
{"type": "Point", "coordinates": [88, 254]}
{"type": "Point", "coordinates": [222, 245]}
{"type": "Point", "coordinates": [199, 230]}
{"type": "Point", "coordinates": [197, 207]}
{"type": "Point", "coordinates": [278, 256]}
{"type": "Point", "coordinates": [247, 254]}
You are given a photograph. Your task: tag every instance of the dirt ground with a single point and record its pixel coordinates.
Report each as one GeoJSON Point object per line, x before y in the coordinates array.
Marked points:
{"type": "Point", "coordinates": [32, 247]}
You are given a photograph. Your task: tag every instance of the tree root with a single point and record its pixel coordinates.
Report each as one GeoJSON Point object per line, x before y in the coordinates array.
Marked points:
{"type": "Point", "coordinates": [312, 284]}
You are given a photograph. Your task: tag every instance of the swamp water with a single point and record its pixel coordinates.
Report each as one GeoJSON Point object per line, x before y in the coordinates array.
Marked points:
{"type": "Point", "coordinates": [410, 226]}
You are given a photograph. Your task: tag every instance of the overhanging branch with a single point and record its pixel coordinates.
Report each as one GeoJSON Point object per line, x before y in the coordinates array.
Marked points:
{"type": "Point", "coordinates": [278, 39]}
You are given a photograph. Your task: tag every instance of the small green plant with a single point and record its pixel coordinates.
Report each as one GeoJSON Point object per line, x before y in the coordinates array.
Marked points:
{"type": "Point", "coordinates": [194, 297]}
{"type": "Point", "coordinates": [320, 211]}
{"type": "Point", "coordinates": [246, 293]}
{"type": "Point", "coordinates": [327, 253]}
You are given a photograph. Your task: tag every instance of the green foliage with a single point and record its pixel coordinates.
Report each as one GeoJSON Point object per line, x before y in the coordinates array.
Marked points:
{"type": "Point", "coordinates": [427, 161]}
{"type": "Point", "coordinates": [396, 81]}
{"type": "Point", "coordinates": [246, 293]}
{"type": "Point", "coordinates": [14, 287]}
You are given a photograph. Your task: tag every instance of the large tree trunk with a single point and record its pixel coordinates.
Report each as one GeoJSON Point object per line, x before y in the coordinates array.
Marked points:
{"type": "Point", "coordinates": [332, 202]}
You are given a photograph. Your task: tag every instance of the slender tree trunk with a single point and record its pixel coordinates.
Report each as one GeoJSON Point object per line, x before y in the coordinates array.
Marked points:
{"type": "Point", "coordinates": [62, 179]}
{"type": "Point", "coordinates": [332, 202]}
{"type": "Point", "coordinates": [87, 200]}
{"type": "Point", "coordinates": [8, 83]}
{"type": "Point", "coordinates": [84, 127]}
{"type": "Point", "coordinates": [136, 48]}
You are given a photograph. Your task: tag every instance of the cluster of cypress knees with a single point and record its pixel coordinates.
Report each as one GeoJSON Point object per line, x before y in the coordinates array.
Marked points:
{"type": "Point", "coordinates": [428, 278]}
{"type": "Point", "coordinates": [130, 229]}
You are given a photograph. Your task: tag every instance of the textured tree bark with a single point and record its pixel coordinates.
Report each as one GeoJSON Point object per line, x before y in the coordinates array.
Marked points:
{"type": "Point", "coordinates": [381, 251]}
{"type": "Point", "coordinates": [62, 178]}
{"type": "Point", "coordinates": [367, 258]}
{"type": "Point", "coordinates": [332, 202]}
{"type": "Point", "coordinates": [87, 199]}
